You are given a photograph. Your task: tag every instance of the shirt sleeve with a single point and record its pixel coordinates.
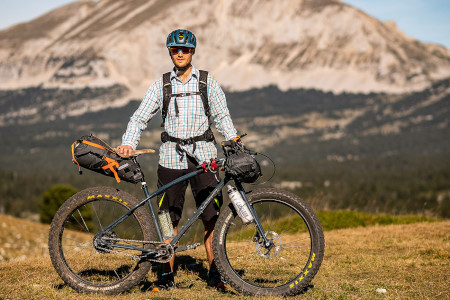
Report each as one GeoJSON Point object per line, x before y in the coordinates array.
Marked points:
{"type": "Point", "coordinates": [219, 109]}
{"type": "Point", "coordinates": [147, 109]}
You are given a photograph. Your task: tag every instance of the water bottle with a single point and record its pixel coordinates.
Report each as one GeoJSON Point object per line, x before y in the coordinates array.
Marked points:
{"type": "Point", "coordinates": [166, 224]}
{"type": "Point", "coordinates": [239, 204]}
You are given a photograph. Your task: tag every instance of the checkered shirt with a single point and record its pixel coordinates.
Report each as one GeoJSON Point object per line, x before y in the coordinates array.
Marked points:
{"type": "Point", "coordinates": [191, 120]}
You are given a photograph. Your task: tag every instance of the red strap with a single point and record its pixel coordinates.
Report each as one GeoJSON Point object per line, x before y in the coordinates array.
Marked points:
{"type": "Point", "coordinates": [213, 164]}
{"type": "Point", "coordinates": [205, 167]}
{"type": "Point", "coordinates": [111, 164]}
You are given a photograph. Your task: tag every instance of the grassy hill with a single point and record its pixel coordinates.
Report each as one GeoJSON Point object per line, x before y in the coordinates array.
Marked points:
{"type": "Point", "coordinates": [410, 261]}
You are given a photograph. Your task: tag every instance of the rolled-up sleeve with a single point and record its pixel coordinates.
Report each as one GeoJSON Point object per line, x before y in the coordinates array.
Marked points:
{"type": "Point", "coordinates": [147, 109]}
{"type": "Point", "coordinates": [219, 109]}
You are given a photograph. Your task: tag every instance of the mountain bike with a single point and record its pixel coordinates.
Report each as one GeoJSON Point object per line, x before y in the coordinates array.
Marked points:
{"type": "Point", "coordinates": [103, 240]}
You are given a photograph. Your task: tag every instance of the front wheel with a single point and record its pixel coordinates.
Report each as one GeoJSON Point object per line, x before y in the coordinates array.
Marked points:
{"type": "Point", "coordinates": [89, 264]}
{"type": "Point", "coordinates": [291, 260]}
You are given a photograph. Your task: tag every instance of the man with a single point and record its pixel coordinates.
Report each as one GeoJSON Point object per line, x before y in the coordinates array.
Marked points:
{"type": "Point", "coordinates": [187, 140]}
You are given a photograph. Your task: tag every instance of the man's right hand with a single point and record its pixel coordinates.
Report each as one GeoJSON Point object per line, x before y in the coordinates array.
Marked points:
{"type": "Point", "coordinates": [125, 150]}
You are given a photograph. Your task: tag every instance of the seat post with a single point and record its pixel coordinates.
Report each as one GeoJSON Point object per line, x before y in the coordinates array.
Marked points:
{"type": "Point", "coordinates": [147, 195]}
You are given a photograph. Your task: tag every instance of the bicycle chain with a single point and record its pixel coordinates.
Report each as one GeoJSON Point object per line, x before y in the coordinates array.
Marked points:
{"type": "Point", "coordinates": [137, 257]}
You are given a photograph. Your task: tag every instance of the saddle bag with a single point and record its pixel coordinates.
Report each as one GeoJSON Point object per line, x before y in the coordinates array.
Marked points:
{"type": "Point", "coordinates": [93, 154]}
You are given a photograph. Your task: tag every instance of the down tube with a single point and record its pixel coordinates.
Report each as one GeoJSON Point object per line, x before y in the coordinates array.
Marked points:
{"type": "Point", "coordinates": [200, 209]}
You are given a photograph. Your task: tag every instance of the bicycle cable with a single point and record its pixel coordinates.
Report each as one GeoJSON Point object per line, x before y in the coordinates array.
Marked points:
{"type": "Point", "coordinates": [271, 176]}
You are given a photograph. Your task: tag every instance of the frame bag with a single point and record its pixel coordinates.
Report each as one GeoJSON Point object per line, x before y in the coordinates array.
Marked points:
{"type": "Point", "coordinates": [92, 153]}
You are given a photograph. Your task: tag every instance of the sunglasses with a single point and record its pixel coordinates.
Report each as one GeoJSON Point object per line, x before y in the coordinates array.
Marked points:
{"type": "Point", "coordinates": [175, 50]}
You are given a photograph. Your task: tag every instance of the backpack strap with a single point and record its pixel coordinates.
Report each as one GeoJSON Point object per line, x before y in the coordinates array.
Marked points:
{"type": "Point", "coordinates": [203, 88]}
{"type": "Point", "coordinates": [167, 95]}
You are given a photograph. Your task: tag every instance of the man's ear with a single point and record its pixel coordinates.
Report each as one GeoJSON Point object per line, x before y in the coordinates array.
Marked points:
{"type": "Point", "coordinates": [193, 51]}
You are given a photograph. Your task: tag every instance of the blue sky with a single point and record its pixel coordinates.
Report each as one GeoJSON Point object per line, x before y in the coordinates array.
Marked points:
{"type": "Point", "coordinates": [426, 20]}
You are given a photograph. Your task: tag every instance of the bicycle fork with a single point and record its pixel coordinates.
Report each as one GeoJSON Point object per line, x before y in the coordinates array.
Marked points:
{"type": "Point", "coordinates": [259, 227]}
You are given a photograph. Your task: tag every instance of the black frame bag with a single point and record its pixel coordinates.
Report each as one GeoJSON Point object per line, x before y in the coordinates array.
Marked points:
{"type": "Point", "coordinates": [92, 153]}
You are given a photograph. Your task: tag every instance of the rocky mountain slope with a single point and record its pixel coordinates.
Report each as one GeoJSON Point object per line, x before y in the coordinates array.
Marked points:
{"type": "Point", "coordinates": [78, 68]}
{"type": "Point", "coordinates": [322, 44]}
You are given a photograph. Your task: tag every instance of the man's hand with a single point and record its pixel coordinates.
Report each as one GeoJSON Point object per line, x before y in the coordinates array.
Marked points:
{"type": "Point", "coordinates": [238, 141]}
{"type": "Point", "coordinates": [125, 150]}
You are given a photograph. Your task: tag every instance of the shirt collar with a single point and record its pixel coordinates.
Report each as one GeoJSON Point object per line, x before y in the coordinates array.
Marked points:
{"type": "Point", "coordinates": [194, 73]}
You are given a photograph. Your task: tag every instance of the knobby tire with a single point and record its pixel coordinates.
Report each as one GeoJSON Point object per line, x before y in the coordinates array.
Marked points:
{"type": "Point", "coordinates": [287, 268]}
{"type": "Point", "coordinates": [86, 268]}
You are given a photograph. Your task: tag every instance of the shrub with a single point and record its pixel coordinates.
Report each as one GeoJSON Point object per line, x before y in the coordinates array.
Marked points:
{"type": "Point", "coordinates": [52, 200]}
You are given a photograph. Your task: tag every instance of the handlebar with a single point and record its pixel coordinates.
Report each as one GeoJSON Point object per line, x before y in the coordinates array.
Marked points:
{"type": "Point", "coordinates": [229, 147]}
{"type": "Point", "coordinates": [236, 145]}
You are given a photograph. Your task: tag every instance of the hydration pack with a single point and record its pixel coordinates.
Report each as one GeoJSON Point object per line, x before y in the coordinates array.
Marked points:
{"type": "Point", "coordinates": [208, 135]}
{"type": "Point", "coordinates": [202, 91]}
{"type": "Point", "coordinates": [92, 153]}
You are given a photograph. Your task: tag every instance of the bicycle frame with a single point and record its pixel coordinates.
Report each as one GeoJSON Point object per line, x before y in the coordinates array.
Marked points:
{"type": "Point", "coordinates": [191, 220]}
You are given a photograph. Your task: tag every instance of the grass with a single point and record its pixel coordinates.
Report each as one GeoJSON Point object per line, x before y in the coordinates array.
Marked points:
{"type": "Point", "coordinates": [410, 261]}
{"type": "Point", "coordinates": [340, 219]}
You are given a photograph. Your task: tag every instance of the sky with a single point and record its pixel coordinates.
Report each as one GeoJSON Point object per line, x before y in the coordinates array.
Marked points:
{"type": "Point", "coordinates": [425, 20]}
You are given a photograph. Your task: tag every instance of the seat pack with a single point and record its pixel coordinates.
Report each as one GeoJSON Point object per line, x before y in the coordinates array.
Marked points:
{"type": "Point", "coordinates": [93, 154]}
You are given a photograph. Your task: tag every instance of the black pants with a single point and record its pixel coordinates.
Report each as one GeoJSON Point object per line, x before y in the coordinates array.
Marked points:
{"type": "Point", "coordinates": [201, 185]}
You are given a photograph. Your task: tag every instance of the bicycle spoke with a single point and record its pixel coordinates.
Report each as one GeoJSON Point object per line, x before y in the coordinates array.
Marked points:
{"type": "Point", "coordinates": [98, 219]}
{"type": "Point", "coordinates": [296, 240]}
{"type": "Point", "coordinates": [85, 226]}
{"type": "Point", "coordinates": [267, 267]}
{"type": "Point", "coordinates": [107, 263]}
{"type": "Point", "coordinates": [117, 274]}
{"type": "Point", "coordinates": [76, 220]}
{"type": "Point", "coordinates": [86, 246]}
{"type": "Point", "coordinates": [77, 241]}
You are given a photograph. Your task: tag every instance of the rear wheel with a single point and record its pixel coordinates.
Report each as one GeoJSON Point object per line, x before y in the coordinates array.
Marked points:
{"type": "Point", "coordinates": [284, 267]}
{"type": "Point", "coordinates": [89, 264]}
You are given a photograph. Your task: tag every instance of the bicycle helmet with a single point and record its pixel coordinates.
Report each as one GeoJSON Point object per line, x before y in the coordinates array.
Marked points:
{"type": "Point", "coordinates": [181, 37]}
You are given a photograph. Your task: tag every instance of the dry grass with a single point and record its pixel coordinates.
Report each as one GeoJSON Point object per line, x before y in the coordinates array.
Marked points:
{"type": "Point", "coordinates": [20, 239]}
{"type": "Point", "coordinates": [409, 261]}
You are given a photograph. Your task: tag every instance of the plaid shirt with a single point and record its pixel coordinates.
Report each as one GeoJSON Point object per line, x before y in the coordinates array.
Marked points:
{"type": "Point", "coordinates": [191, 120]}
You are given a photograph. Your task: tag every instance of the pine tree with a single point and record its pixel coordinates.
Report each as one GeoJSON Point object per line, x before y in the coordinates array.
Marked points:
{"type": "Point", "coordinates": [52, 199]}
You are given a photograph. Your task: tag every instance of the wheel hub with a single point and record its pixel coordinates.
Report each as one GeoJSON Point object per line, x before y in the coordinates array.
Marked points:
{"type": "Point", "coordinates": [273, 246]}
{"type": "Point", "coordinates": [102, 245]}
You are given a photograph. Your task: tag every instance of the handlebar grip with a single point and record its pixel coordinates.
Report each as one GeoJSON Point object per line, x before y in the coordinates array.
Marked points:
{"type": "Point", "coordinates": [143, 151]}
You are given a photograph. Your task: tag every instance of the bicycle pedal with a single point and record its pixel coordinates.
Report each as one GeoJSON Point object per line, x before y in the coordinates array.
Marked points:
{"type": "Point", "coordinates": [186, 247]}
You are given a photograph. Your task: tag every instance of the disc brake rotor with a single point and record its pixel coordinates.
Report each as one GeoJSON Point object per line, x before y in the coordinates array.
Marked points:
{"type": "Point", "coordinates": [273, 248]}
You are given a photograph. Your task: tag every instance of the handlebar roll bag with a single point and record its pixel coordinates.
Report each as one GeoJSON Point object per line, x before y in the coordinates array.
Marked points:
{"type": "Point", "coordinates": [243, 166]}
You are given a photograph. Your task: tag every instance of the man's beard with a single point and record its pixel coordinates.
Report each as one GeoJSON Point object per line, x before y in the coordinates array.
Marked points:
{"type": "Point", "coordinates": [183, 68]}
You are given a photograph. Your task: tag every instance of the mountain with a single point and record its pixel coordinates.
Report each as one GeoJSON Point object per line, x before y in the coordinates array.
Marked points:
{"type": "Point", "coordinates": [355, 114]}
{"type": "Point", "coordinates": [322, 44]}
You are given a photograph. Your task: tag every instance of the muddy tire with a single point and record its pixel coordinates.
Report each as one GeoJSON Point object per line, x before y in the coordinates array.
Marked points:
{"type": "Point", "coordinates": [87, 266]}
{"type": "Point", "coordinates": [288, 266]}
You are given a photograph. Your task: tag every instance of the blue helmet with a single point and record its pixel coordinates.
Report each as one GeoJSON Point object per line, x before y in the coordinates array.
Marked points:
{"type": "Point", "coordinates": [181, 37]}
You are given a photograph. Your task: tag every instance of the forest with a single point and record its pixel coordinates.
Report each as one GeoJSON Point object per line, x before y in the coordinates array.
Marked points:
{"type": "Point", "coordinates": [404, 170]}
